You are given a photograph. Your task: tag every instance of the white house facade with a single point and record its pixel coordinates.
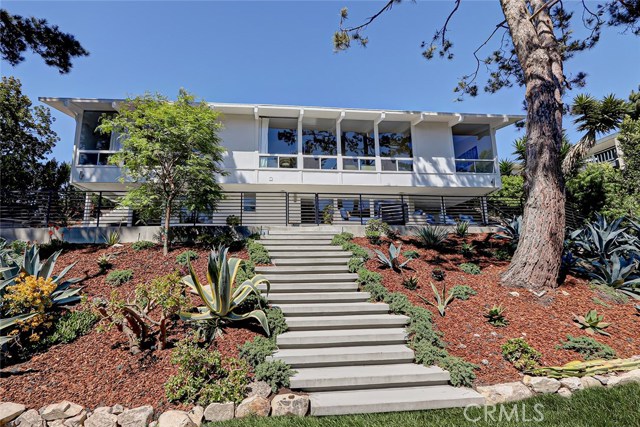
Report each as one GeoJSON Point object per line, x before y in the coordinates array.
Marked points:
{"type": "Point", "coordinates": [339, 163]}
{"type": "Point", "coordinates": [607, 150]}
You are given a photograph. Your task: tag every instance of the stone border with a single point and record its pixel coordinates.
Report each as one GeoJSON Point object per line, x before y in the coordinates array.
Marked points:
{"type": "Point", "coordinates": [531, 386]}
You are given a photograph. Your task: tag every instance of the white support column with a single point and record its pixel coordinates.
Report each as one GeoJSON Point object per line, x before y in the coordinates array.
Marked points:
{"type": "Point", "coordinates": [300, 158]}
{"type": "Point", "coordinates": [339, 140]}
{"type": "Point", "coordinates": [86, 214]}
{"type": "Point", "coordinates": [377, 141]}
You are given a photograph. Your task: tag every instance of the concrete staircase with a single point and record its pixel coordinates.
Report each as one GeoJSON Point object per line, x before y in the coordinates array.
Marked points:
{"type": "Point", "coordinates": [350, 355]}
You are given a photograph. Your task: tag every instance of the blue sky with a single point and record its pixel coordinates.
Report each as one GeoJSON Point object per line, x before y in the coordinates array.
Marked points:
{"type": "Point", "coordinates": [281, 53]}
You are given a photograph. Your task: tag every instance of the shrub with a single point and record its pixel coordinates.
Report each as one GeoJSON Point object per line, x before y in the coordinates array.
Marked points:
{"type": "Point", "coordinates": [463, 292]}
{"type": "Point", "coordinates": [276, 373]}
{"type": "Point", "coordinates": [467, 250]}
{"type": "Point", "coordinates": [341, 238]}
{"type": "Point", "coordinates": [367, 277]}
{"type": "Point", "coordinates": [104, 263]}
{"type": "Point", "coordinates": [205, 376]}
{"type": "Point", "coordinates": [71, 326]}
{"type": "Point", "coordinates": [374, 237]}
{"type": "Point", "coordinates": [18, 246]}
{"type": "Point", "coordinates": [462, 228]}
{"type": "Point", "coordinates": [246, 271]}
{"type": "Point", "coordinates": [185, 257]}
{"type": "Point", "coordinates": [258, 253]}
{"type": "Point", "coordinates": [438, 274]}
{"type": "Point", "coordinates": [610, 293]}
{"type": "Point", "coordinates": [432, 236]}
{"type": "Point", "coordinates": [496, 317]}
{"type": "Point", "coordinates": [461, 371]}
{"type": "Point", "coordinates": [501, 255]}
{"type": "Point", "coordinates": [588, 348]}
{"type": "Point", "coordinates": [378, 291]}
{"type": "Point", "coordinates": [276, 321]}
{"type": "Point", "coordinates": [327, 214]}
{"type": "Point", "coordinates": [393, 234]}
{"type": "Point", "coordinates": [374, 230]}
{"type": "Point", "coordinates": [355, 263]}
{"type": "Point", "coordinates": [398, 302]}
{"type": "Point", "coordinates": [410, 283]}
{"type": "Point", "coordinates": [233, 221]}
{"type": "Point", "coordinates": [411, 254]}
{"type": "Point", "coordinates": [30, 294]}
{"type": "Point", "coordinates": [356, 251]}
{"type": "Point", "coordinates": [428, 354]}
{"type": "Point", "coordinates": [393, 260]}
{"type": "Point", "coordinates": [523, 357]}
{"type": "Point", "coordinates": [142, 245]}
{"type": "Point", "coordinates": [421, 331]}
{"type": "Point", "coordinates": [255, 352]}
{"type": "Point", "coordinates": [470, 268]}
{"type": "Point", "coordinates": [119, 277]}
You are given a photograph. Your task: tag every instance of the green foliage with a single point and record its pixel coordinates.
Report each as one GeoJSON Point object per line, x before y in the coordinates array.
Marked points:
{"type": "Point", "coordinates": [104, 262]}
{"type": "Point", "coordinates": [463, 292]}
{"type": "Point", "coordinates": [428, 354]}
{"type": "Point", "coordinates": [205, 376]}
{"type": "Point", "coordinates": [186, 256]}
{"type": "Point", "coordinates": [327, 214]}
{"type": "Point", "coordinates": [588, 348]}
{"type": "Point", "coordinates": [246, 271]}
{"type": "Point", "coordinates": [374, 230]}
{"type": "Point", "coordinates": [467, 250]}
{"type": "Point", "coordinates": [141, 245]}
{"type": "Point", "coordinates": [377, 290]}
{"type": "Point", "coordinates": [495, 316]}
{"type": "Point", "coordinates": [506, 167]}
{"type": "Point", "coordinates": [221, 301]}
{"type": "Point", "coordinates": [374, 237]}
{"type": "Point", "coordinates": [233, 221]}
{"type": "Point", "coordinates": [501, 255]}
{"type": "Point", "coordinates": [438, 274]}
{"type": "Point", "coordinates": [523, 357]}
{"type": "Point", "coordinates": [411, 254]}
{"type": "Point", "coordinates": [341, 238]}
{"type": "Point", "coordinates": [629, 140]}
{"type": "Point", "coordinates": [410, 283]}
{"type": "Point", "coordinates": [276, 373]}
{"type": "Point", "coordinates": [398, 302]}
{"type": "Point", "coordinates": [356, 250]}
{"type": "Point", "coordinates": [367, 277]}
{"type": "Point", "coordinates": [510, 230]}
{"type": "Point", "coordinates": [119, 277]}
{"type": "Point", "coordinates": [18, 246]}
{"type": "Point", "coordinates": [610, 294]}
{"type": "Point", "coordinates": [592, 323]}
{"type": "Point", "coordinates": [462, 228]}
{"type": "Point", "coordinates": [393, 260]}
{"type": "Point", "coordinates": [442, 299]}
{"type": "Point", "coordinates": [512, 191]}
{"type": "Point", "coordinates": [71, 326]}
{"type": "Point", "coordinates": [258, 253]}
{"type": "Point", "coordinates": [276, 320]}
{"type": "Point", "coordinates": [355, 263]}
{"type": "Point", "coordinates": [470, 268]}
{"type": "Point", "coordinates": [112, 239]}
{"type": "Point", "coordinates": [432, 236]}
{"type": "Point", "coordinates": [462, 372]}
{"type": "Point", "coordinates": [256, 351]}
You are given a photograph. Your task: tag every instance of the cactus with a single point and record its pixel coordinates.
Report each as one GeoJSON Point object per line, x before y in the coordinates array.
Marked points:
{"type": "Point", "coordinates": [578, 368]}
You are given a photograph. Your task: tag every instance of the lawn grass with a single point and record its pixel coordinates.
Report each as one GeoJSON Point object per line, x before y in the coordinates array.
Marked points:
{"type": "Point", "coordinates": [597, 407]}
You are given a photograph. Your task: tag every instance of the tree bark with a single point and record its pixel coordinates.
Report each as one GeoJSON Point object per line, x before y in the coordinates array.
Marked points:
{"type": "Point", "coordinates": [536, 262]}
{"type": "Point", "coordinates": [167, 221]}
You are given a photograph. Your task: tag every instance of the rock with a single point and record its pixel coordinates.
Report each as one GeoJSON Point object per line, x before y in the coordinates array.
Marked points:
{"type": "Point", "coordinates": [61, 410]}
{"type": "Point", "coordinates": [259, 388]}
{"type": "Point", "coordinates": [196, 414]}
{"type": "Point", "coordinates": [588, 382]}
{"type": "Point", "coordinates": [526, 380]}
{"type": "Point", "coordinates": [571, 383]}
{"type": "Point", "coordinates": [55, 423]}
{"type": "Point", "coordinates": [101, 419]}
{"type": "Point", "coordinates": [153, 424]}
{"type": "Point", "coordinates": [603, 379]}
{"type": "Point", "coordinates": [626, 378]}
{"type": "Point", "coordinates": [544, 385]}
{"type": "Point", "coordinates": [565, 293]}
{"type": "Point", "coordinates": [507, 392]}
{"type": "Point", "coordinates": [494, 334]}
{"type": "Point", "coordinates": [514, 294]}
{"type": "Point", "coordinates": [484, 362]}
{"type": "Point", "coordinates": [30, 418]}
{"type": "Point", "coordinates": [476, 335]}
{"type": "Point", "coordinates": [136, 417]}
{"type": "Point", "coordinates": [103, 409]}
{"type": "Point", "coordinates": [219, 411]}
{"type": "Point", "coordinates": [175, 418]}
{"type": "Point", "coordinates": [254, 405]}
{"type": "Point", "coordinates": [462, 345]}
{"type": "Point", "coordinates": [76, 421]}
{"type": "Point", "coordinates": [9, 411]}
{"type": "Point", "coordinates": [117, 409]}
{"type": "Point", "coordinates": [564, 392]}
{"type": "Point", "coordinates": [290, 404]}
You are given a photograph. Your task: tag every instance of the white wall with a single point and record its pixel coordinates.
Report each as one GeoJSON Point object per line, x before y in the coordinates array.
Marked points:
{"type": "Point", "coordinates": [433, 148]}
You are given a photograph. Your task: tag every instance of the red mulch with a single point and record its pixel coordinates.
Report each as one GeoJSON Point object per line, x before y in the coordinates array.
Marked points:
{"type": "Point", "coordinates": [97, 369]}
{"type": "Point", "coordinates": [544, 322]}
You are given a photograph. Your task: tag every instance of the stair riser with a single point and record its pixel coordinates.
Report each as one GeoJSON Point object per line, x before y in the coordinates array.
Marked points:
{"type": "Point", "coordinates": [346, 360]}
{"type": "Point", "coordinates": [298, 324]}
{"type": "Point", "coordinates": [275, 299]}
{"type": "Point", "coordinates": [297, 242]}
{"type": "Point", "coordinates": [312, 278]}
{"type": "Point", "coordinates": [307, 250]}
{"type": "Point", "coordinates": [340, 342]}
{"type": "Point", "coordinates": [310, 287]}
{"type": "Point", "coordinates": [366, 383]}
{"type": "Point", "coordinates": [311, 262]}
{"type": "Point", "coordinates": [337, 312]}
{"type": "Point", "coordinates": [394, 407]}
{"type": "Point", "coordinates": [278, 254]}
{"type": "Point", "coordinates": [303, 269]}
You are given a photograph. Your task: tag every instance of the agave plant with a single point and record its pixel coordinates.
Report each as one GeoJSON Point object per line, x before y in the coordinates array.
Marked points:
{"type": "Point", "coordinates": [619, 273]}
{"type": "Point", "coordinates": [462, 228]}
{"type": "Point", "coordinates": [602, 239]}
{"type": "Point", "coordinates": [592, 323]}
{"type": "Point", "coordinates": [9, 322]}
{"type": "Point", "coordinates": [220, 299]}
{"type": "Point", "coordinates": [441, 301]}
{"type": "Point", "coordinates": [393, 260]}
{"type": "Point", "coordinates": [495, 316]}
{"type": "Point", "coordinates": [432, 236]}
{"type": "Point", "coordinates": [510, 230]}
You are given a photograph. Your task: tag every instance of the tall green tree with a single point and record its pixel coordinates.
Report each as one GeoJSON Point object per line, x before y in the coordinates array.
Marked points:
{"type": "Point", "coordinates": [171, 155]}
{"type": "Point", "coordinates": [17, 34]}
{"type": "Point", "coordinates": [26, 140]}
{"type": "Point", "coordinates": [537, 39]}
{"type": "Point", "coordinates": [629, 140]}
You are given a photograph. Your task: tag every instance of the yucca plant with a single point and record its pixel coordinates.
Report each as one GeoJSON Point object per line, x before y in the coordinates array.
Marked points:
{"type": "Point", "coordinates": [442, 300]}
{"type": "Point", "coordinates": [592, 323]}
{"type": "Point", "coordinates": [112, 238]}
{"type": "Point", "coordinates": [393, 260]}
{"type": "Point", "coordinates": [432, 236]}
{"type": "Point", "coordinates": [220, 299]}
{"type": "Point", "coordinates": [495, 316]}
{"type": "Point", "coordinates": [462, 228]}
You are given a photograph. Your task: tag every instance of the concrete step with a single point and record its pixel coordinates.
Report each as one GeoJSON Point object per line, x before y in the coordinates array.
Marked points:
{"type": "Point", "coordinates": [333, 309]}
{"type": "Point", "coordinates": [392, 400]}
{"type": "Point", "coordinates": [344, 356]}
{"type": "Point", "coordinates": [302, 269]}
{"type": "Point", "coordinates": [341, 338]}
{"type": "Point", "coordinates": [298, 236]}
{"type": "Point", "coordinates": [312, 262]}
{"type": "Point", "coordinates": [361, 321]}
{"type": "Point", "coordinates": [309, 277]}
{"type": "Point", "coordinates": [368, 376]}
{"type": "Point", "coordinates": [307, 249]}
{"type": "Point", "coordinates": [292, 287]}
{"type": "Point", "coordinates": [301, 242]}
{"type": "Point", "coordinates": [280, 253]}
{"type": "Point", "coordinates": [316, 297]}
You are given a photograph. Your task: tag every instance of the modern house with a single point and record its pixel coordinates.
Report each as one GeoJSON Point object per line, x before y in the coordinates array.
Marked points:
{"type": "Point", "coordinates": [607, 150]}
{"type": "Point", "coordinates": [309, 165]}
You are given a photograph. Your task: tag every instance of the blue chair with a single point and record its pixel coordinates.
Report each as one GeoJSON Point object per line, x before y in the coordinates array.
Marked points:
{"type": "Point", "coordinates": [446, 219]}
{"type": "Point", "coordinates": [469, 219]}
{"type": "Point", "coordinates": [430, 219]}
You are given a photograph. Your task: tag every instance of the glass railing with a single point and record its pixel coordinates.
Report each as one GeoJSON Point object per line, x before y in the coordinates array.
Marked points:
{"type": "Point", "coordinates": [396, 165]}
{"type": "Point", "coordinates": [320, 162]}
{"type": "Point", "coordinates": [475, 166]}
{"type": "Point", "coordinates": [94, 157]}
{"type": "Point", "coordinates": [359, 164]}
{"type": "Point", "coordinates": [277, 161]}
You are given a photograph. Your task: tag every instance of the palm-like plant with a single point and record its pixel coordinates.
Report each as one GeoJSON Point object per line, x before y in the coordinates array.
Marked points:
{"type": "Point", "coordinates": [520, 149]}
{"type": "Point", "coordinates": [506, 167]}
{"type": "Point", "coordinates": [221, 300]}
{"type": "Point", "coordinates": [593, 117]}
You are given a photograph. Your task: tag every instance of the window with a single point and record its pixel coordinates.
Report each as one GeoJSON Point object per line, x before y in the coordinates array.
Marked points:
{"type": "Point", "coordinates": [282, 136]}
{"type": "Point", "coordinates": [395, 139]}
{"type": "Point", "coordinates": [90, 139]}
{"type": "Point", "coordinates": [473, 148]}
{"type": "Point", "coordinates": [319, 137]}
{"type": "Point", "coordinates": [249, 202]}
{"type": "Point", "coordinates": [357, 138]}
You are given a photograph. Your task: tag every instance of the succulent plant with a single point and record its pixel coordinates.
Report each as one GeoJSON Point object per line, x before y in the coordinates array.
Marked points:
{"type": "Point", "coordinates": [592, 323]}
{"type": "Point", "coordinates": [432, 236]}
{"type": "Point", "coordinates": [495, 316]}
{"type": "Point", "coordinates": [410, 283]}
{"type": "Point", "coordinates": [578, 368]}
{"type": "Point", "coordinates": [438, 274]}
{"type": "Point", "coordinates": [462, 228]}
{"type": "Point", "coordinates": [393, 260]}
{"type": "Point", "coordinates": [442, 299]}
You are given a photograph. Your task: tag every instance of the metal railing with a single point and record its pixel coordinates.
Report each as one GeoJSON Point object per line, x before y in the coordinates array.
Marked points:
{"type": "Point", "coordinates": [97, 209]}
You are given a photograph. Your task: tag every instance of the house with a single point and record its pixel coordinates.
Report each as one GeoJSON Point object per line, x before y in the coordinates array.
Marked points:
{"type": "Point", "coordinates": [294, 165]}
{"type": "Point", "coordinates": [607, 150]}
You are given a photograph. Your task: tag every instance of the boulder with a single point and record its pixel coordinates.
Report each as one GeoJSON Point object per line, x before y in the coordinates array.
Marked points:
{"type": "Point", "coordinates": [290, 404]}
{"type": "Point", "coordinates": [101, 419]}
{"type": "Point", "coordinates": [196, 414]}
{"type": "Point", "coordinates": [507, 392]}
{"type": "Point", "coordinates": [60, 411]}
{"type": "Point", "coordinates": [625, 378]}
{"type": "Point", "coordinates": [219, 411]}
{"type": "Point", "coordinates": [588, 382]}
{"type": "Point", "coordinates": [571, 383]}
{"type": "Point", "coordinates": [9, 411]}
{"type": "Point", "coordinates": [175, 418]}
{"type": "Point", "coordinates": [602, 378]}
{"type": "Point", "coordinates": [544, 384]}
{"type": "Point", "coordinates": [30, 418]}
{"type": "Point", "coordinates": [117, 409]}
{"type": "Point", "coordinates": [77, 421]}
{"type": "Point", "coordinates": [136, 417]}
{"type": "Point", "coordinates": [259, 388]}
{"type": "Point", "coordinates": [153, 424]}
{"type": "Point", "coordinates": [103, 409]}
{"type": "Point", "coordinates": [254, 405]}
{"type": "Point", "coordinates": [564, 392]}
{"type": "Point", "coordinates": [55, 423]}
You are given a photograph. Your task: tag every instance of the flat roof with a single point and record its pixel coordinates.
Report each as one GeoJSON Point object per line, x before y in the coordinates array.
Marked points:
{"type": "Point", "coordinates": [71, 106]}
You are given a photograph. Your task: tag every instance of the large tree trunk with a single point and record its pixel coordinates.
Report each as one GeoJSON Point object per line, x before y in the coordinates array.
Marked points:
{"type": "Point", "coordinates": [167, 221]}
{"type": "Point", "coordinates": [536, 262]}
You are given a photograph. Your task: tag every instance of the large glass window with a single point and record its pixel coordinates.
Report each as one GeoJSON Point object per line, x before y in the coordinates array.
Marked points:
{"type": "Point", "coordinates": [395, 139]}
{"type": "Point", "coordinates": [473, 148]}
{"type": "Point", "coordinates": [282, 136]}
{"type": "Point", "coordinates": [319, 137]}
{"type": "Point", "coordinates": [90, 139]}
{"type": "Point", "coordinates": [357, 138]}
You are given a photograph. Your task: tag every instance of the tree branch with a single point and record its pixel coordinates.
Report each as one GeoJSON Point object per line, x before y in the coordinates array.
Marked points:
{"type": "Point", "coordinates": [372, 18]}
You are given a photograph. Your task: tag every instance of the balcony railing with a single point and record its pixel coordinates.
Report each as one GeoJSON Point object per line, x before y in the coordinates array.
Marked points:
{"type": "Point", "coordinates": [475, 166]}
{"type": "Point", "coordinates": [279, 161]}
{"type": "Point", "coordinates": [94, 157]}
